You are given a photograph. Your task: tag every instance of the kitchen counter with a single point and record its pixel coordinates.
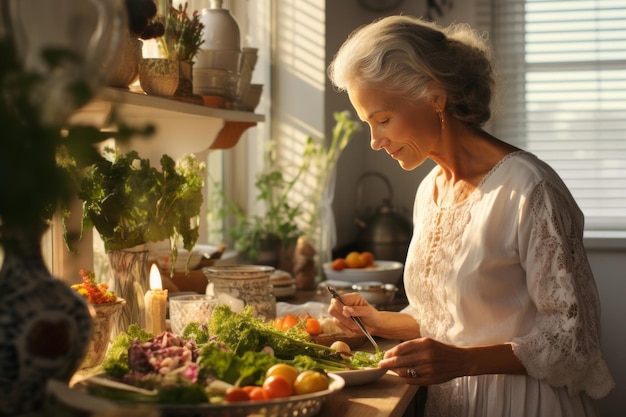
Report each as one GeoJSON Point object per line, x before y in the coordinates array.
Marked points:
{"type": "Point", "coordinates": [387, 397]}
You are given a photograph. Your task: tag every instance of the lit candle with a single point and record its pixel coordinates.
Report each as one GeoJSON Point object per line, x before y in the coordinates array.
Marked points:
{"type": "Point", "coordinates": [155, 302]}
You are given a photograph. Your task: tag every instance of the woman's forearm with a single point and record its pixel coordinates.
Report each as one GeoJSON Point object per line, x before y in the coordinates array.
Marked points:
{"type": "Point", "coordinates": [493, 359]}
{"type": "Point", "coordinates": [395, 326]}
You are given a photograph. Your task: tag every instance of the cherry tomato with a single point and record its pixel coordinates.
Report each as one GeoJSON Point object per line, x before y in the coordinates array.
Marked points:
{"type": "Point", "coordinates": [313, 326]}
{"type": "Point", "coordinates": [278, 323]}
{"type": "Point", "coordinates": [282, 369]}
{"type": "Point", "coordinates": [277, 386]}
{"type": "Point", "coordinates": [310, 381]}
{"type": "Point", "coordinates": [236, 394]}
{"type": "Point", "coordinates": [258, 394]}
{"type": "Point", "coordinates": [289, 321]}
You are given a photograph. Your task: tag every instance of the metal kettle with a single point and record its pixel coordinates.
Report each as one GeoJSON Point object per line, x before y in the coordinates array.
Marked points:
{"type": "Point", "coordinates": [386, 233]}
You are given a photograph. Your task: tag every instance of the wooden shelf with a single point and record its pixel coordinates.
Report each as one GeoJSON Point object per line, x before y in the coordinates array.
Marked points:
{"type": "Point", "coordinates": [181, 127]}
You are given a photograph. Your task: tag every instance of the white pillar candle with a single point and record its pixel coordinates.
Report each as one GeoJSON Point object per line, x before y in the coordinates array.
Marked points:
{"type": "Point", "coordinates": [156, 303]}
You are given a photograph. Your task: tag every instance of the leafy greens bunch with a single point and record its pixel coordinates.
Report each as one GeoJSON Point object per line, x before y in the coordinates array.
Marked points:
{"type": "Point", "coordinates": [130, 202]}
{"type": "Point", "coordinates": [244, 332]}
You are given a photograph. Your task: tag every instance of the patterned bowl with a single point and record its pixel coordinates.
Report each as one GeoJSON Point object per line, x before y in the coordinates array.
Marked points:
{"type": "Point", "coordinates": [103, 319]}
{"type": "Point", "coordinates": [158, 76]}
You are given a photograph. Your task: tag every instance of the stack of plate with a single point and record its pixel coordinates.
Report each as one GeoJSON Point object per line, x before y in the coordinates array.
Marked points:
{"type": "Point", "coordinates": [284, 284]}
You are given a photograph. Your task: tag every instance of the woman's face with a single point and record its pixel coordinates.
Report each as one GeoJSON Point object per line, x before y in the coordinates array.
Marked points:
{"type": "Point", "coordinates": [409, 131]}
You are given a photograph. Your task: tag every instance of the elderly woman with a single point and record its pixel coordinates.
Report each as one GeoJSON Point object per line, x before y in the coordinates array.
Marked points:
{"type": "Point", "coordinates": [503, 316]}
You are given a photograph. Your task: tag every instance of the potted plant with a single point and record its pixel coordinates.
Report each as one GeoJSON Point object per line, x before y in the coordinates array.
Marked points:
{"type": "Point", "coordinates": [131, 203]}
{"type": "Point", "coordinates": [268, 235]}
{"type": "Point", "coordinates": [107, 306]}
{"type": "Point", "coordinates": [282, 233]}
{"type": "Point", "coordinates": [181, 41]}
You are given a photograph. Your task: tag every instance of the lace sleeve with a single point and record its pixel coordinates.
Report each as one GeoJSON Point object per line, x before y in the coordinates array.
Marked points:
{"type": "Point", "coordinates": [564, 346]}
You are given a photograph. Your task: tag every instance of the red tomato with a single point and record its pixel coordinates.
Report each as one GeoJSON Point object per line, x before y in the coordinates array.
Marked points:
{"type": "Point", "coordinates": [278, 323]}
{"type": "Point", "coordinates": [313, 326]}
{"type": "Point", "coordinates": [277, 386]}
{"type": "Point", "coordinates": [289, 321]}
{"type": "Point", "coordinates": [236, 394]}
{"type": "Point", "coordinates": [258, 394]}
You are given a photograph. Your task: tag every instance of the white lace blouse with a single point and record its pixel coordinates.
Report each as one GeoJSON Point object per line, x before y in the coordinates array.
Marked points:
{"type": "Point", "coordinates": [507, 265]}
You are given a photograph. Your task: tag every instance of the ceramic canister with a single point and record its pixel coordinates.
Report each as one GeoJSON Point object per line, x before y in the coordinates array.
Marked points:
{"type": "Point", "coordinates": [249, 283]}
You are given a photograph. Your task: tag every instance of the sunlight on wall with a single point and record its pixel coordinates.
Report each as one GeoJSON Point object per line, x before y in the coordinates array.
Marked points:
{"type": "Point", "coordinates": [300, 56]}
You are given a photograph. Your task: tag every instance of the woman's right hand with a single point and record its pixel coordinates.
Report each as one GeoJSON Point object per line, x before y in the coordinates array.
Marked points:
{"type": "Point", "coordinates": [355, 306]}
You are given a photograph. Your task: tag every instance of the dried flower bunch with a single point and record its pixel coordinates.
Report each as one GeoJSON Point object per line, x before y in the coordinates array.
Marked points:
{"type": "Point", "coordinates": [95, 292]}
{"type": "Point", "coordinates": [141, 19]}
{"type": "Point", "coordinates": [183, 33]}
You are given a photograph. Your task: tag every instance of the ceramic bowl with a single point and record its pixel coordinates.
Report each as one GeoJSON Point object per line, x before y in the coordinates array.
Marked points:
{"type": "Point", "coordinates": [158, 76]}
{"type": "Point", "coordinates": [252, 97]}
{"type": "Point", "coordinates": [387, 272]}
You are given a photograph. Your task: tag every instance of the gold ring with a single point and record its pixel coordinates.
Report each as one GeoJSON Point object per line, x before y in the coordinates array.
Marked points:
{"type": "Point", "coordinates": [411, 372]}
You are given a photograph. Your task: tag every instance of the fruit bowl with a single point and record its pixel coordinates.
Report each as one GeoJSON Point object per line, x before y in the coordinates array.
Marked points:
{"type": "Point", "coordinates": [386, 272]}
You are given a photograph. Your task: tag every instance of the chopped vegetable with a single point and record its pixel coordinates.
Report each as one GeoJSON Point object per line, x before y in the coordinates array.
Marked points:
{"type": "Point", "coordinates": [116, 363]}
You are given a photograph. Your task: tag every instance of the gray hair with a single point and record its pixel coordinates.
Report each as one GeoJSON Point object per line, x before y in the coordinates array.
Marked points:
{"type": "Point", "coordinates": [404, 55]}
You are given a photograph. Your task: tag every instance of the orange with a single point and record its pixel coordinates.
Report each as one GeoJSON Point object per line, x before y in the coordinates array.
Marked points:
{"type": "Point", "coordinates": [339, 264]}
{"type": "Point", "coordinates": [353, 260]}
{"type": "Point", "coordinates": [367, 259]}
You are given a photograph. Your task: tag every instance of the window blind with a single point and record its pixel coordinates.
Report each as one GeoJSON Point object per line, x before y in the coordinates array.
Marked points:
{"type": "Point", "coordinates": [562, 74]}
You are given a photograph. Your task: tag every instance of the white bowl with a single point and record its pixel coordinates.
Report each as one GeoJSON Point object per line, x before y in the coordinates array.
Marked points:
{"type": "Point", "coordinates": [387, 272]}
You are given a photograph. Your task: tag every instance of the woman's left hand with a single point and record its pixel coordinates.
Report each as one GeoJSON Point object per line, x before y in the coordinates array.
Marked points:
{"type": "Point", "coordinates": [425, 361]}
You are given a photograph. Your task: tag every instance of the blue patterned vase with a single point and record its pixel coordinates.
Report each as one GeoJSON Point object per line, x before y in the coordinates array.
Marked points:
{"type": "Point", "coordinates": [45, 326]}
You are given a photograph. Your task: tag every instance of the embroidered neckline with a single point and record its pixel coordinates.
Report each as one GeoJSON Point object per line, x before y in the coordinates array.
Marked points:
{"type": "Point", "coordinates": [474, 195]}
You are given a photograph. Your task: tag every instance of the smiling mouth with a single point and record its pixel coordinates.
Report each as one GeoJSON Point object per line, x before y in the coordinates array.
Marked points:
{"type": "Point", "coordinates": [395, 153]}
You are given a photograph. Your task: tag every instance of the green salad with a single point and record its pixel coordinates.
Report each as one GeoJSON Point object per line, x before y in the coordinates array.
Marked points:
{"type": "Point", "coordinates": [235, 349]}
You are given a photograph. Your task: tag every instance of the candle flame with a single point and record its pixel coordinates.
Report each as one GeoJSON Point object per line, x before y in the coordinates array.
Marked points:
{"type": "Point", "coordinates": [155, 278]}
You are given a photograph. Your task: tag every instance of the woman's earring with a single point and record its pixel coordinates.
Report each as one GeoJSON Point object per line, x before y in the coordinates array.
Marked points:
{"type": "Point", "coordinates": [440, 112]}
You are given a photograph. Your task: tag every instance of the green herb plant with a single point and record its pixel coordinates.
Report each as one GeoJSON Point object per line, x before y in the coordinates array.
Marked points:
{"type": "Point", "coordinates": [280, 218]}
{"type": "Point", "coordinates": [276, 225]}
{"type": "Point", "coordinates": [129, 202]}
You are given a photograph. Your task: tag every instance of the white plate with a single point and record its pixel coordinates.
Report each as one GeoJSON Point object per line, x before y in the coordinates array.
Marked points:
{"type": "Point", "coordinates": [387, 272]}
{"type": "Point", "coordinates": [361, 376]}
